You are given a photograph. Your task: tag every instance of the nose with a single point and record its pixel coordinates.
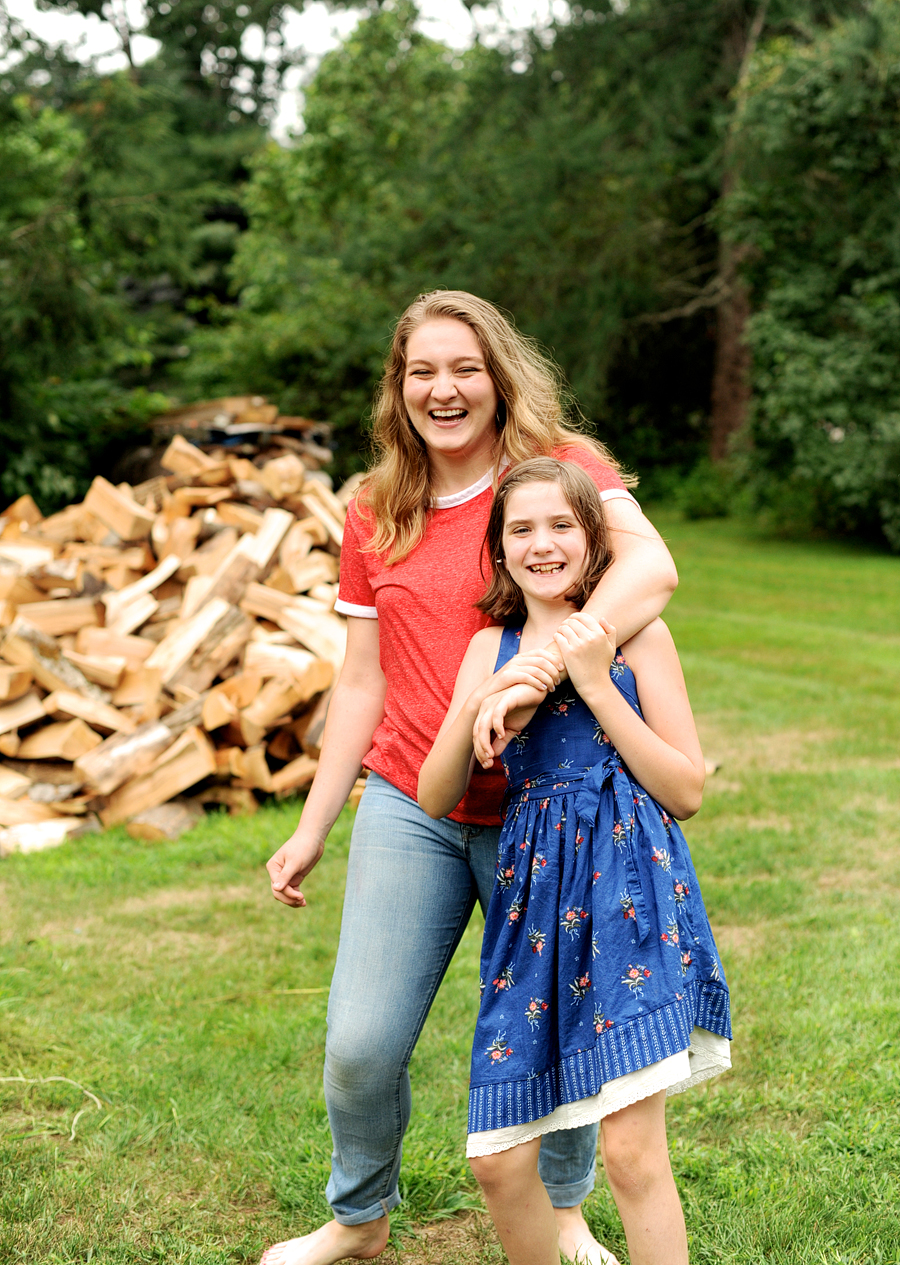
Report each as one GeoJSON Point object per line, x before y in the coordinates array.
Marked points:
{"type": "Point", "coordinates": [542, 541]}
{"type": "Point", "coordinates": [444, 387]}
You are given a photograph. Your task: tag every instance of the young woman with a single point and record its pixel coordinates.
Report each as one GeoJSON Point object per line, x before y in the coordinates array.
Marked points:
{"type": "Point", "coordinates": [464, 395]}
{"type": "Point", "coordinates": [602, 990]}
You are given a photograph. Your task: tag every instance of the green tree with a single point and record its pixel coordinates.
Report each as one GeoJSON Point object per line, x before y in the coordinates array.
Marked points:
{"type": "Point", "coordinates": [816, 213]}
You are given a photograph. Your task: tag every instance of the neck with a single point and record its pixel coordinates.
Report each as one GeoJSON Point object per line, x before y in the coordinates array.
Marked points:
{"type": "Point", "coordinates": [452, 472]}
{"type": "Point", "coordinates": [543, 620]}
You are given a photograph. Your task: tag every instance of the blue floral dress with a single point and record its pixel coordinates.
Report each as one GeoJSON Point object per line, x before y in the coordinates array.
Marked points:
{"type": "Point", "coordinates": [601, 981]}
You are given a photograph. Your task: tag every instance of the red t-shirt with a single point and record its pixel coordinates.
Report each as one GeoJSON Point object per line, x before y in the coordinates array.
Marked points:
{"type": "Point", "coordinates": [426, 608]}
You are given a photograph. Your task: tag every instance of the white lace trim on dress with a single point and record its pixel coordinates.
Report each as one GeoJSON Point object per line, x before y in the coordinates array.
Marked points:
{"type": "Point", "coordinates": [707, 1056]}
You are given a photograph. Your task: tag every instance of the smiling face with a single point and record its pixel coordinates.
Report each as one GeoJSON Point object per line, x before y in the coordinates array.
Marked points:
{"type": "Point", "coordinates": [544, 544]}
{"type": "Point", "coordinates": [449, 394]}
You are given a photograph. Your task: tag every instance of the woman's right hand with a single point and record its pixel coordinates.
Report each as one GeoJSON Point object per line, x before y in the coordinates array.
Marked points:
{"type": "Point", "coordinates": [538, 669]}
{"type": "Point", "coordinates": [290, 866]}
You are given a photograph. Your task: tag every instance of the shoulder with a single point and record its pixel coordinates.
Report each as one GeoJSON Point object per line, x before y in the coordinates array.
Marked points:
{"type": "Point", "coordinates": [486, 641]}
{"type": "Point", "coordinates": [582, 455]}
{"type": "Point", "coordinates": [652, 647]}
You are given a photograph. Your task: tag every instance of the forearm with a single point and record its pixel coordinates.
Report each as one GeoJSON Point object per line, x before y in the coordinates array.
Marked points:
{"type": "Point", "coordinates": [445, 775]}
{"type": "Point", "coordinates": [635, 590]}
{"type": "Point", "coordinates": [674, 780]}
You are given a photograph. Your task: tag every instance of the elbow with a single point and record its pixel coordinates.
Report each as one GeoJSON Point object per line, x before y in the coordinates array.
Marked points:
{"type": "Point", "coordinates": [429, 801]}
{"type": "Point", "coordinates": [687, 802]}
{"type": "Point", "coordinates": [669, 575]}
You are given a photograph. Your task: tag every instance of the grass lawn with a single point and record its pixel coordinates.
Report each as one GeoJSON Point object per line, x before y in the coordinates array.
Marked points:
{"type": "Point", "coordinates": [162, 1019]}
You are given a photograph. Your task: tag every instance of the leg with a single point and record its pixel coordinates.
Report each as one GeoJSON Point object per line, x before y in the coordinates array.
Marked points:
{"type": "Point", "coordinates": [636, 1157]}
{"type": "Point", "coordinates": [409, 897]}
{"type": "Point", "coordinates": [567, 1163]}
{"type": "Point", "coordinates": [519, 1204]}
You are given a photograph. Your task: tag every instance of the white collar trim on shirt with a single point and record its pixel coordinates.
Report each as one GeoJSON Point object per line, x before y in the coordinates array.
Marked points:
{"type": "Point", "coordinates": [467, 494]}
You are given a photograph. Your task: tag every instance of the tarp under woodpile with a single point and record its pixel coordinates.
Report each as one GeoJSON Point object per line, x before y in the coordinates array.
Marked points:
{"type": "Point", "coordinates": [171, 641]}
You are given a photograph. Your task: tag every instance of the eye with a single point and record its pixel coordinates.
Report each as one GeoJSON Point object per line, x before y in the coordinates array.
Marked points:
{"type": "Point", "coordinates": [563, 525]}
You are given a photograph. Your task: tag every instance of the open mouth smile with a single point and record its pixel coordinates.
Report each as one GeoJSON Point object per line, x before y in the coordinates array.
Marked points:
{"type": "Point", "coordinates": [446, 415]}
{"type": "Point", "coordinates": [545, 568]}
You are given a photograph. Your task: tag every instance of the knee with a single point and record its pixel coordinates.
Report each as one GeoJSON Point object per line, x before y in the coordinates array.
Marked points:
{"type": "Point", "coordinates": [353, 1066]}
{"type": "Point", "coordinates": [632, 1169]}
{"type": "Point", "coordinates": [492, 1172]}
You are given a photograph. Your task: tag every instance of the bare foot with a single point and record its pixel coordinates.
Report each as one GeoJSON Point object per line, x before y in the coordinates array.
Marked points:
{"type": "Point", "coordinates": [576, 1243]}
{"type": "Point", "coordinates": [331, 1243]}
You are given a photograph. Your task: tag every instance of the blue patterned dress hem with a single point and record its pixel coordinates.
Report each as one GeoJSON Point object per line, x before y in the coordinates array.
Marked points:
{"type": "Point", "coordinates": [620, 1049]}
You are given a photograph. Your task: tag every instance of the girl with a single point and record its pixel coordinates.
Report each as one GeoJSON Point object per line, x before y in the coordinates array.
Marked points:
{"type": "Point", "coordinates": [602, 990]}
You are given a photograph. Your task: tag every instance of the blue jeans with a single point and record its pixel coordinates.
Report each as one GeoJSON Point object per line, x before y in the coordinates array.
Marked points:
{"type": "Point", "coordinates": [411, 887]}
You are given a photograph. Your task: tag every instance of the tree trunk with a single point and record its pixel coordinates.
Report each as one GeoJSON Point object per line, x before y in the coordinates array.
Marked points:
{"type": "Point", "coordinates": [731, 392]}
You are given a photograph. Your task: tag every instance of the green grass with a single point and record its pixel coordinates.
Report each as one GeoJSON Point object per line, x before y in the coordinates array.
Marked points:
{"type": "Point", "coordinates": [165, 981]}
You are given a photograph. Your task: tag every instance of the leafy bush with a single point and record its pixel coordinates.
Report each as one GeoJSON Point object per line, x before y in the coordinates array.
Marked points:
{"type": "Point", "coordinates": [816, 210]}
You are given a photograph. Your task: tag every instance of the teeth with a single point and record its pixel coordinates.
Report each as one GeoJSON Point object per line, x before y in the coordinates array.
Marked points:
{"type": "Point", "coordinates": [450, 412]}
{"type": "Point", "coordinates": [544, 568]}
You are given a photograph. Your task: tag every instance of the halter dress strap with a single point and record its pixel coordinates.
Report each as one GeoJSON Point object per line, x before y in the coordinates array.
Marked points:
{"type": "Point", "coordinates": [509, 646]}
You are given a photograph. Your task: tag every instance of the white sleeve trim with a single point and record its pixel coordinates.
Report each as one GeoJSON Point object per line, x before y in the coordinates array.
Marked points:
{"type": "Point", "coordinates": [618, 494]}
{"type": "Point", "coordinates": [349, 608]}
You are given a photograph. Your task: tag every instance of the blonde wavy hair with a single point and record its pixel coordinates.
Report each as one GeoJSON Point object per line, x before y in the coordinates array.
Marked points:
{"type": "Point", "coordinates": [534, 418]}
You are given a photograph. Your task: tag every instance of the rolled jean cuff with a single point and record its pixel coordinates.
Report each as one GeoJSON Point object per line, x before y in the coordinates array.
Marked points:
{"type": "Point", "coordinates": [372, 1213]}
{"type": "Point", "coordinates": [573, 1193]}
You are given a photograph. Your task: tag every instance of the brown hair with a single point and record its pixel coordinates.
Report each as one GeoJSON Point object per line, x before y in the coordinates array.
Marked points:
{"type": "Point", "coordinates": [532, 417]}
{"type": "Point", "coordinates": [503, 600]}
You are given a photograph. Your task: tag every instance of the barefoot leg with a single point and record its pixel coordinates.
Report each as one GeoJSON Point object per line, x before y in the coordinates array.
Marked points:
{"type": "Point", "coordinates": [576, 1243]}
{"type": "Point", "coordinates": [331, 1243]}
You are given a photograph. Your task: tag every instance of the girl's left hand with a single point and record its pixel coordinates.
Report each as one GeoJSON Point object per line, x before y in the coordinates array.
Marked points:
{"type": "Point", "coordinates": [588, 647]}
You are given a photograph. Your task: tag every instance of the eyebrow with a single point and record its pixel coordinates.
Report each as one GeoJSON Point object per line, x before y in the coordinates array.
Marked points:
{"type": "Point", "coordinates": [457, 361]}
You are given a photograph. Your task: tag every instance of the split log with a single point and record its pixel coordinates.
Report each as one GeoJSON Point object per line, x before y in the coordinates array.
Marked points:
{"type": "Point", "coordinates": [223, 703]}
{"type": "Point", "coordinates": [133, 616]}
{"type": "Point", "coordinates": [105, 670]}
{"type": "Point", "coordinates": [283, 477]}
{"type": "Point", "coordinates": [13, 784]}
{"type": "Point", "coordinates": [14, 682]}
{"type": "Point", "coordinates": [307, 673]}
{"type": "Point", "coordinates": [221, 646]}
{"type": "Point", "coordinates": [275, 700]}
{"type": "Point", "coordinates": [181, 538]}
{"type": "Point", "coordinates": [24, 711]}
{"type": "Point", "coordinates": [66, 740]}
{"type": "Point", "coordinates": [190, 759]}
{"type": "Point", "coordinates": [124, 756]}
{"type": "Point", "coordinates": [36, 836]}
{"type": "Point", "coordinates": [250, 768]}
{"type": "Point", "coordinates": [174, 651]}
{"type": "Point", "coordinates": [27, 647]}
{"type": "Point", "coordinates": [239, 800]}
{"type": "Point", "coordinates": [19, 589]}
{"type": "Point", "coordinates": [99, 642]}
{"type": "Point", "coordinates": [26, 557]}
{"type": "Point", "coordinates": [24, 510]}
{"type": "Point", "coordinates": [295, 776]}
{"type": "Point", "coordinates": [241, 516]}
{"type": "Point", "coordinates": [115, 603]}
{"type": "Point", "coordinates": [206, 559]}
{"type": "Point", "coordinates": [321, 631]}
{"type": "Point", "coordinates": [118, 510]}
{"type": "Point", "coordinates": [182, 457]}
{"type": "Point", "coordinates": [63, 615]}
{"type": "Point", "coordinates": [99, 715]}
{"type": "Point", "coordinates": [166, 822]}
{"type": "Point", "coordinates": [311, 740]}
{"type": "Point", "coordinates": [19, 812]}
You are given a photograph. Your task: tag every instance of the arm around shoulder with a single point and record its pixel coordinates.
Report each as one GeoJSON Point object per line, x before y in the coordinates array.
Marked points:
{"type": "Point", "coordinates": [642, 577]}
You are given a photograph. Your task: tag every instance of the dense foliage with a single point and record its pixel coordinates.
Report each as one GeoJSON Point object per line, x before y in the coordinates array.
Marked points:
{"type": "Point", "coordinates": [817, 209]}
{"type": "Point", "coordinates": [610, 179]}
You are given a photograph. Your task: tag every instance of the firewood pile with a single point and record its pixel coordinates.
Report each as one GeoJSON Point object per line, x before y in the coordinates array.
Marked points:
{"type": "Point", "coordinates": [175, 636]}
